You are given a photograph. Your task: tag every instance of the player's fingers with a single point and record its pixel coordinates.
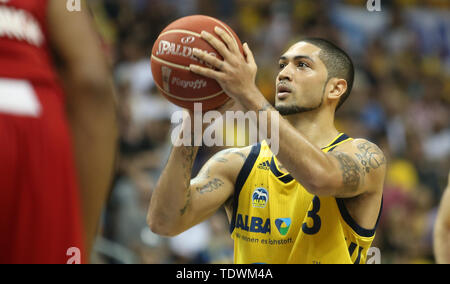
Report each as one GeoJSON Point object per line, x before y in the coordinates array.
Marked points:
{"type": "Point", "coordinates": [249, 54]}
{"type": "Point", "coordinates": [229, 41]}
{"type": "Point", "coordinates": [207, 72]}
{"type": "Point", "coordinates": [208, 58]}
{"type": "Point", "coordinates": [217, 44]}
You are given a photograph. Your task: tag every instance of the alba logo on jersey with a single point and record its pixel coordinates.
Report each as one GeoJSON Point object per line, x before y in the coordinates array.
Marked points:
{"type": "Point", "coordinates": [260, 197]}
{"type": "Point", "coordinates": [253, 224]}
{"type": "Point", "coordinates": [259, 225]}
{"type": "Point", "coordinates": [283, 225]}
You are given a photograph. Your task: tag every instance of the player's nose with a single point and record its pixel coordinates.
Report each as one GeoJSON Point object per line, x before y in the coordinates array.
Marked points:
{"type": "Point", "coordinates": [285, 74]}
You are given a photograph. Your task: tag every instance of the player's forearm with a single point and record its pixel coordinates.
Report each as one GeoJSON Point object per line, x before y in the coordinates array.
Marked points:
{"type": "Point", "coordinates": [171, 198]}
{"type": "Point", "coordinates": [92, 118]}
{"type": "Point", "coordinates": [305, 161]}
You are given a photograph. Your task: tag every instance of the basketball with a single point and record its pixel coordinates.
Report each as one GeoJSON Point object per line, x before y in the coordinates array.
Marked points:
{"type": "Point", "coordinates": [172, 54]}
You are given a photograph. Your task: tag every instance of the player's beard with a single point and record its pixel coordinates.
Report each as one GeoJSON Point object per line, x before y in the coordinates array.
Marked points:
{"type": "Point", "coordinates": [296, 109]}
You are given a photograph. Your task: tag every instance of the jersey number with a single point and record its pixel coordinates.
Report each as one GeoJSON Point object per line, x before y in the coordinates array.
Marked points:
{"type": "Point", "coordinates": [317, 223]}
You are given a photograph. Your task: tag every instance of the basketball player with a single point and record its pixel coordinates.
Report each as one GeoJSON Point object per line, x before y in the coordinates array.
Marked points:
{"type": "Point", "coordinates": [442, 229]}
{"type": "Point", "coordinates": [41, 217]}
{"type": "Point", "coordinates": [317, 201]}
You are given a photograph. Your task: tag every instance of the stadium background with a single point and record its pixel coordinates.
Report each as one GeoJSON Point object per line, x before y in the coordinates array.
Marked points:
{"type": "Point", "coordinates": [400, 101]}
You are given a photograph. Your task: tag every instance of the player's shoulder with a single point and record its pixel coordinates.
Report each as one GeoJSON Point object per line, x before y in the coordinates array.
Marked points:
{"type": "Point", "coordinates": [360, 145]}
{"type": "Point", "coordinates": [367, 154]}
{"type": "Point", "coordinates": [364, 161]}
{"type": "Point", "coordinates": [229, 162]}
{"type": "Point", "coordinates": [367, 148]}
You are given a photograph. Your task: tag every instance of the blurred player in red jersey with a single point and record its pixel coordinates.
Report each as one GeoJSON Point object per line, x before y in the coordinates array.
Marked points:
{"type": "Point", "coordinates": [52, 124]}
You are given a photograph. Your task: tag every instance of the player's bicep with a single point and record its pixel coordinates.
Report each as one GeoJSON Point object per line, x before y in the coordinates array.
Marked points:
{"type": "Point", "coordinates": [360, 168]}
{"type": "Point", "coordinates": [209, 190]}
{"type": "Point", "coordinates": [215, 188]}
{"type": "Point", "coordinates": [348, 175]}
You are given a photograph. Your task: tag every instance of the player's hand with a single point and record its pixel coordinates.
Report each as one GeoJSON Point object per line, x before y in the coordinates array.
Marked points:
{"type": "Point", "coordinates": [236, 73]}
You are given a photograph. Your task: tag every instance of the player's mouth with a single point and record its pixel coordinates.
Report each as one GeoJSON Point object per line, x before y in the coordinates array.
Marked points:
{"type": "Point", "coordinates": [283, 91]}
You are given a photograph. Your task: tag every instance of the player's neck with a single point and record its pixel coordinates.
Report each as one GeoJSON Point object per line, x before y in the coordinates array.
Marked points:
{"type": "Point", "coordinates": [317, 126]}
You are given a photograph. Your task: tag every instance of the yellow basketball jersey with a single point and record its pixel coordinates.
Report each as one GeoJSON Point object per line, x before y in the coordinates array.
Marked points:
{"type": "Point", "coordinates": [275, 220]}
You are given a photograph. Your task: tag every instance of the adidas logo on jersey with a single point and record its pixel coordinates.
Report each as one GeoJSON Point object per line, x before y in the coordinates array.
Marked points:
{"type": "Point", "coordinates": [264, 165]}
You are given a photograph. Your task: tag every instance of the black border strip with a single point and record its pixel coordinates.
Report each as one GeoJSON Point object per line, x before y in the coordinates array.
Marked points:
{"type": "Point", "coordinates": [274, 169]}
{"type": "Point", "coordinates": [285, 178]}
{"type": "Point", "coordinates": [332, 149]}
{"type": "Point", "coordinates": [352, 223]}
{"type": "Point", "coordinates": [241, 178]}
{"type": "Point", "coordinates": [341, 138]}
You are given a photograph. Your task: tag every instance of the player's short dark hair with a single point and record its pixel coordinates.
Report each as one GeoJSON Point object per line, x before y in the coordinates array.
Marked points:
{"type": "Point", "coordinates": [337, 62]}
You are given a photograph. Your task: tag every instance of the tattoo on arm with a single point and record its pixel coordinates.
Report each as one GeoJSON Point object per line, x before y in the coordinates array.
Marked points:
{"type": "Point", "coordinates": [187, 163]}
{"type": "Point", "coordinates": [188, 202]}
{"type": "Point", "coordinates": [370, 156]}
{"type": "Point", "coordinates": [241, 155]}
{"type": "Point", "coordinates": [188, 153]}
{"type": "Point", "coordinates": [351, 172]}
{"type": "Point", "coordinates": [211, 186]}
{"type": "Point", "coordinates": [220, 159]}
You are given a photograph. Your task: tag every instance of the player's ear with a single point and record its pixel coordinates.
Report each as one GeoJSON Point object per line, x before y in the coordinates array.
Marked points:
{"type": "Point", "coordinates": [336, 88]}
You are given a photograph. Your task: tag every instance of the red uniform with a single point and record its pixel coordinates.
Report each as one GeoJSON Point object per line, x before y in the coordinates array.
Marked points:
{"type": "Point", "coordinates": [40, 216]}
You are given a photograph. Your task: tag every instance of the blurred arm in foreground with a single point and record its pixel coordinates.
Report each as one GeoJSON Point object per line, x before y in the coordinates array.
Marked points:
{"type": "Point", "coordinates": [91, 107]}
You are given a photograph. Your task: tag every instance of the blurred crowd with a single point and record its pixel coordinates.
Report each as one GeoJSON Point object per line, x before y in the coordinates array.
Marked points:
{"type": "Point", "coordinates": [400, 101]}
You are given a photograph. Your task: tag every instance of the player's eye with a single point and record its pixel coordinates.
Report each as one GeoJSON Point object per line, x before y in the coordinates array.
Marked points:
{"type": "Point", "coordinates": [282, 65]}
{"type": "Point", "coordinates": [302, 65]}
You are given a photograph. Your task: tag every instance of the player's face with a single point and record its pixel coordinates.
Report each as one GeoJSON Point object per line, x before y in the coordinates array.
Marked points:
{"type": "Point", "coordinates": [300, 84]}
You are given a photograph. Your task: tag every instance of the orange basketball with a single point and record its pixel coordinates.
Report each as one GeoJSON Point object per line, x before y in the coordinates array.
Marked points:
{"type": "Point", "coordinates": [172, 54]}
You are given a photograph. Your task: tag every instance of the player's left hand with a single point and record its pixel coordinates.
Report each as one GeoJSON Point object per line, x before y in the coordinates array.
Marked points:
{"type": "Point", "coordinates": [236, 73]}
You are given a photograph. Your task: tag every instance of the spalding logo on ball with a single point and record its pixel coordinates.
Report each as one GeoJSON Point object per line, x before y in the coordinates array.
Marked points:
{"type": "Point", "coordinates": [172, 54]}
